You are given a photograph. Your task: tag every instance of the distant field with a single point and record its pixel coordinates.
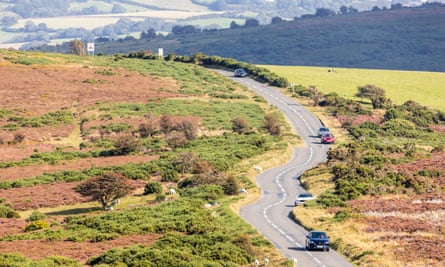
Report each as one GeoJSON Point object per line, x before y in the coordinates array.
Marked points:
{"type": "Point", "coordinates": [174, 5]}
{"type": "Point", "coordinates": [94, 21]}
{"type": "Point", "coordinates": [425, 88]}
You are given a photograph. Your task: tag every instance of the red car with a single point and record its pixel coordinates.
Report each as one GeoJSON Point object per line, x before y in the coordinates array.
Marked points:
{"type": "Point", "coordinates": [328, 139]}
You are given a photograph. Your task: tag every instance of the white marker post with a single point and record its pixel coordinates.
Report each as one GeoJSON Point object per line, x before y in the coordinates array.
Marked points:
{"type": "Point", "coordinates": [90, 49]}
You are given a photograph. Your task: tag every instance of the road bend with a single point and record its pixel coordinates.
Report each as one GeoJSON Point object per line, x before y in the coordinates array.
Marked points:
{"type": "Point", "coordinates": [270, 215]}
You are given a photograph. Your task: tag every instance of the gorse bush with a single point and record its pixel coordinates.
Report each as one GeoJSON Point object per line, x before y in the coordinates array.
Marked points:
{"type": "Point", "coordinates": [36, 225]}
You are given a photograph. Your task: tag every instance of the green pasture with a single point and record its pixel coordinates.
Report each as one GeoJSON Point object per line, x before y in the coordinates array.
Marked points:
{"type": "Point", "coordinates": [426, 88]}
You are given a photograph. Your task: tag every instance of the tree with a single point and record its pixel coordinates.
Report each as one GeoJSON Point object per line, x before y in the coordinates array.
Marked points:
{"type": "Point", "coordinates": [234, 25]}
{"type": "Point", "coordinates": [189, 128]}
{"type": "Point", "coordinates": [240, 125]}
{"type": "Point", "coordinates": [126, 144]}
{"type": "Point", "coordinates": [150, 127]}
{"type": "Point", "coordinates": [78, 48]}
{"type": "Point", "coordinates": [106, 188]}
{"type": "Point", "coordinates": [276, 20]}
{"type": "Point", "coordinates": [186, 29]}
{"type": "Point", "coordinates": [176, 139]}
{"type": "Point", "coordinates": [251, 23]}
{"type": "Point", "coordinates": [231, 185]}
{"type": "Point", "coordinates": [118, 9]}
{"type": "Point", "coordinates": [374, 93]}
{"type": "Point", "coordinates": [166, 124]}
{"type": "Point", "coordinates": [272, 124]}
{"type": "Point", "coordinates": [149, 34]}
{"type": "Point", "coordinates": [30, 27]}
{"type": "Point", "coordinates": [324, 12]}
{"type": "Point", "coordinates": [185, 161]}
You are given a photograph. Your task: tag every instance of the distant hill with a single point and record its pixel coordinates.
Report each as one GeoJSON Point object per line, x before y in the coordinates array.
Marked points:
{"type": "Point", "coordinates": [403, 39]}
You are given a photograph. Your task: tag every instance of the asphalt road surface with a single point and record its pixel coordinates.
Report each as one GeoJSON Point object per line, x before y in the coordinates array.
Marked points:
{"type": "Point", "coordinates": [271, 214]}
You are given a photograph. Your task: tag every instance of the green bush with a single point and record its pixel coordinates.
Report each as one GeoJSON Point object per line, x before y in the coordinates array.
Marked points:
{"type": "Point", "coordinates": [36, 225]}
{"type": "Point", "coordinates": [126, 144]}
{"type": "Point", "coordinates": [160, 197]}
{"type": "Point", "coordinates": [35, 216]}
{"type": "Point", "coordinates": [7, 212]}
{"type": "Point", "coordinates": [210, 193]}
{"type": "Point", "coordinates": [342, 215]}
{"type": "Point", "coordinates": [16, 260]}
{"type": "Point", "coordinates": [329, 199]}
{"type": "Point", "coordinates": [231, 185]}
{"type": "Point", "coordinates": [152, 188]}
{"type": "Point", "coordinates": [104, 237]}
{"type": "Point", "coordinates": [169, 175]}
{"type": "Point", "coordinates": [399, 127]}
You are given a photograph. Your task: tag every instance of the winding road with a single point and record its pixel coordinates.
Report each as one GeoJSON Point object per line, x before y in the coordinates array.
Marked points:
{"type": "Point", "coordinates": [271, 214]}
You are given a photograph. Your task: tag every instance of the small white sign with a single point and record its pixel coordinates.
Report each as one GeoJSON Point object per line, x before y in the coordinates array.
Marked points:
{"type": "Point", "coordinates": [160, 52]}
{"type": "Point", "coordinates": [90, 47]}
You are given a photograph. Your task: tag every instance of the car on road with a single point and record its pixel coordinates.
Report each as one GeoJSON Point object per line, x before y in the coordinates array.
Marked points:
{"type": "Point", "coordinates": [322, 131]}
{"type": "Point", "coordinates": [327, 139]}
{"type": "Point", "coordinates": [301, 198]}
{"type": "Point", "coordinates": [240, 73]}
{"type": "Point", "coordinates": [317, 240]}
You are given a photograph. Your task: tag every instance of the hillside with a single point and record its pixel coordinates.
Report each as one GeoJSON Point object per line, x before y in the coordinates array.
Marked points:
{"type": "Point", "coordinates": [402, 39]}
{"type": "Point", "coordinates": [65, 120]}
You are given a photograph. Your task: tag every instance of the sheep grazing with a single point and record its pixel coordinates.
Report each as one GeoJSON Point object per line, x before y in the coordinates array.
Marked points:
{"type": "Point", "coordinates": [258, 168]}
{"type": "Point", "coordinates": [171, 191]}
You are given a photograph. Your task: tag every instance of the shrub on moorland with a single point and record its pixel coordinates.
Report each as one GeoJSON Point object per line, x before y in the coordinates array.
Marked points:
{"type": "Point", "coordinates": [231, 185]}
{"type": "Point", "coordinates": [35, 216]}
{"type": "Point", "coordinates": [152, 188]}
{"type": "Point", "coordinates": [209, 193]}
{"type": "Point", "coordinates": [160, 197]}
{"type": "Point", "coordinates": [16, 260]}
{"type": "Point", "coordinates": [169, 175]}
{"type": "Point", "coordinates": [329, 199]}
{"type": "Point", "coordinates": [36, 225]}
{"type": "Point", "coordinates": [7, 212]}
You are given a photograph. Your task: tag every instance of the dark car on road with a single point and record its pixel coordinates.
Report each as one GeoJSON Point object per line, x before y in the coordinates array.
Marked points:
{"type": "Point", "coordinates": [317, 240]}
{"type": "Point", "coordinates": [240, 73]}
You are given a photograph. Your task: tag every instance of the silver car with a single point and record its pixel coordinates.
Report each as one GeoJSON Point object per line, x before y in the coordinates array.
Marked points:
{"type": "Point", "coordinates": [301, 198]}
{"type": "Point", "coordinates": [323, 131]}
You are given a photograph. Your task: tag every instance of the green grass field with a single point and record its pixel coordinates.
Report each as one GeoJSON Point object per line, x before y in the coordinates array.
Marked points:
{"type": "Point", "coordinates": [425, 88]}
